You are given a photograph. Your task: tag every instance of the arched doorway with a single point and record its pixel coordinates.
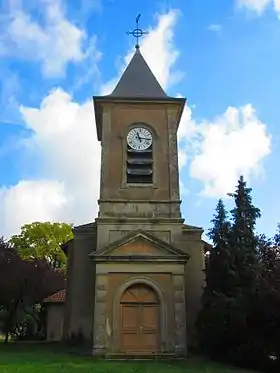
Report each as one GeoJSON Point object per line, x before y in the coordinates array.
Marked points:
{"type": "Point", "coordinates": [139, 319]}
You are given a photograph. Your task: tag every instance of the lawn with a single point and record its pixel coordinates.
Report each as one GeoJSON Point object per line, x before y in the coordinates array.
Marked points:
{"type": "Point", "coordinates": [30, 358]}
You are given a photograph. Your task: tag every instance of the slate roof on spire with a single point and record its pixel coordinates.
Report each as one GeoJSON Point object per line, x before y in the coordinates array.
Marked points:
{"type": "Point", "coordinates": [138, 81]}
{"type": "Point", "coordinates": [137, 84]}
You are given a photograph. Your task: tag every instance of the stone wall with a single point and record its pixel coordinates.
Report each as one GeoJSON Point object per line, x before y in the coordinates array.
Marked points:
{"type": "Point", "coordinates": [55, 320]}
{"type": "Point", "coordinates": [112, 280]}
{"type": "Point", "coordinates": [81, 284]}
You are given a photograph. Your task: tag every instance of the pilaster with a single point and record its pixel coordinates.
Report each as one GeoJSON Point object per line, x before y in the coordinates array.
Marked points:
{"type": "Point", "coordinates": [100, 332]}
{"type": "Point", "coordinates": [173, 155]}
{"type": "Point", "coordinates": [106, 130]}
{"type": "Point", "coordinates": [180, 316]}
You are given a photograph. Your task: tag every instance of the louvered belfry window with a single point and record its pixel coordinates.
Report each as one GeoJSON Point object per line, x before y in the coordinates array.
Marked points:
{"type": "Point", "coordinates": [139, 166]}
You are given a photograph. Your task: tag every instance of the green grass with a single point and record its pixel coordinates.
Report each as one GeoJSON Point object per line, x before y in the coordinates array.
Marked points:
{"type": "Point", "coordinates": [30, 358]}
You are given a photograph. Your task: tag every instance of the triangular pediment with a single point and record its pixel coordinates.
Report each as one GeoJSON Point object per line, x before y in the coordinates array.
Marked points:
{"type": "Point", "coordinates": [140, 244]}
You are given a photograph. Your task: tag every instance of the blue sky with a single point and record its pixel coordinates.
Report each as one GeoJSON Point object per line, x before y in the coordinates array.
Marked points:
{"type": "Point", "coordinates": [223, 55]}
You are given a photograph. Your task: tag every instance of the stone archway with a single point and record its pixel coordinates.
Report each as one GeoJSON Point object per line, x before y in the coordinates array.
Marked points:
{"type": "Point", "coordinates": [139, 319]}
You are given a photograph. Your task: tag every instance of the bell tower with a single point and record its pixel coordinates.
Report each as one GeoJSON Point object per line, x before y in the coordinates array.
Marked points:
{"type": "Point", "coordinates": [137, 126]}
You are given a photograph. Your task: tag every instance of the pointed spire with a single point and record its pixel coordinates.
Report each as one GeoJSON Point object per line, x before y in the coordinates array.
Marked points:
{"type": "Point", "coordinates": [138, 80]}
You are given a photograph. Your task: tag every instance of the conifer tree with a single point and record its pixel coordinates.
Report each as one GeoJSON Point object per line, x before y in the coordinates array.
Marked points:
{"type": "Point", "coordinates": [242, 333]}
{"type": "Point", "coordinates": [211, 325]}
{"type": "Point", "coordinates": [226, 330]}
{"type": "Point", "coordinates": [219, 271]}
{"type": "Point", "coordinates": [243, 237]}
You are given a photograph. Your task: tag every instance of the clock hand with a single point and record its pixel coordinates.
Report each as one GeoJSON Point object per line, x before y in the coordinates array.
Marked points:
{"type": "Point", "coordinates": [139, 138]}
{"type": "Point", "coordinates": [144, 138]}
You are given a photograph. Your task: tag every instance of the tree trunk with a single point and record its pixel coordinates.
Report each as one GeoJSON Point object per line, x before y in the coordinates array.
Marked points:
{"type": "Point", "coordinates": [10, 318]}
{"type": "Point", "coordinates": [6, 336]}
{"type": "Point", "coordinates": [8, 324]}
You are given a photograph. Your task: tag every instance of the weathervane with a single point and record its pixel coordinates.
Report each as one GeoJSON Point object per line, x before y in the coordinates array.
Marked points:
{"type": "Point", "coordinates": [137, 32]}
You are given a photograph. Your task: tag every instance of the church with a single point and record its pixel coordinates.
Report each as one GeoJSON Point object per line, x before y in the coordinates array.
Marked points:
{"type": "Point", "coordinates": [135, 275]}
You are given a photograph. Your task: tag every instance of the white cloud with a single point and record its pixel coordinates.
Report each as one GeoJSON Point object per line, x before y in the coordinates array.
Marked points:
{"type": "Point", "coordinates": [277, 6]}
{"type": "Point", "coordinates": [220, 150]}
{"type": "Point", "coordinates": [64, 131]}
{"type": "Point", "coordinates": [259, 6]}
{"type": "Point", "coordinates": [64, 136]}
{"type": "Point", "coordinates": [30, 201]}
{"type": "Point", "coordinates": [54, 43]}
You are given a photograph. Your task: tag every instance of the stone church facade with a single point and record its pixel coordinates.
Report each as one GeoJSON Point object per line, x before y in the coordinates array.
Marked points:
{"type": "Point", "coordinates": [135, 275]}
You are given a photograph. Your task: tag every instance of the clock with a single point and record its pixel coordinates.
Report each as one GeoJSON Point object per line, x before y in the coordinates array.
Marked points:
{"type": "Point", "coordinates": [139, 138]}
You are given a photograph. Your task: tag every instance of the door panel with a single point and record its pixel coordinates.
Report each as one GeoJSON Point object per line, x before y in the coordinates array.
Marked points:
{"type": "Point", "coordinates": [149, 316]}
{"type": "Point", "coordinates": [149, 342]}
{"type": "Point", "coordinates": [130, 327]}
{"type": "Point", "coordinates": [130, 341]}
{"type": "Point", "coordinates": [149, 327]}
{"type": "Point", "coordinates": [130, 315]}
{"type": "Point", "coordinates": [139, 319]}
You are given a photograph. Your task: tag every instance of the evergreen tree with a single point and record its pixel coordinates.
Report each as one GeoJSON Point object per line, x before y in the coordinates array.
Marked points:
{"type": "Point", "coordinates": [225, 324]}
{"type": "Point", "coordinates": [218, 233]}
{"type": "Point", "coordinates": [243, 237]}
{"type": "Point", "coordinates": [219, 272]}
{"type": "Point", "coordinates": [244, 214]}
{"type": "Point", "coordinates": [243, 341]}
{"type": "Point", "coordinates": [212, 319]}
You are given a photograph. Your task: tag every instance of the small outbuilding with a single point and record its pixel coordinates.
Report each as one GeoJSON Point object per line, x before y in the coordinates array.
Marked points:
{"type": "Point", "coordinates": [55, 309]}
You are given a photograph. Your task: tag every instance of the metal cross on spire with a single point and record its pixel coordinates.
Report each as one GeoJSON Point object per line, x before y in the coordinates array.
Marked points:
{"type": "Point", "coordinates": [137, 32]}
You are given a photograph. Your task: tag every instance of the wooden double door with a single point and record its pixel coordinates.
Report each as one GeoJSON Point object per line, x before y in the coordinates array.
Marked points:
{"type": "Point", "coordinates": [140, 320]}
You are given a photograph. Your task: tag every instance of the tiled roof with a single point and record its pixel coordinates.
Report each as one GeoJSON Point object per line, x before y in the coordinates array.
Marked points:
{"type": "Point", "coordinates": [138, 81]}
{"type": "Point", "coordinates": [58, 297]}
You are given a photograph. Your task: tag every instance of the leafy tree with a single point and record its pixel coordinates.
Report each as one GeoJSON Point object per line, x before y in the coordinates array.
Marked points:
{"type": "Point", "coordinates": [268, 294]}
{"type": "Point", "coordinates": [42, 241]}
{"type": "Point", "coordinates": [23, 283]}
{"type": "Point", "coordinates": [30, 323]}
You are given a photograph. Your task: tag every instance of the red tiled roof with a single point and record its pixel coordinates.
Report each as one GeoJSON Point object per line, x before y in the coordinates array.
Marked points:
{"type": "Point", "coordinates": [58, 297]}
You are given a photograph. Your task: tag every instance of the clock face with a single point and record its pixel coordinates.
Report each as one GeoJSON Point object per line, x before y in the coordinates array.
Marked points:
{"type": "Point", "coordinates": [139, 138]}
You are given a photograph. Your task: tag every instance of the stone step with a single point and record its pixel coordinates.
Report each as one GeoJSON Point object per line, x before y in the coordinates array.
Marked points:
{"type": "Point", "coordinates": [142, 356]}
